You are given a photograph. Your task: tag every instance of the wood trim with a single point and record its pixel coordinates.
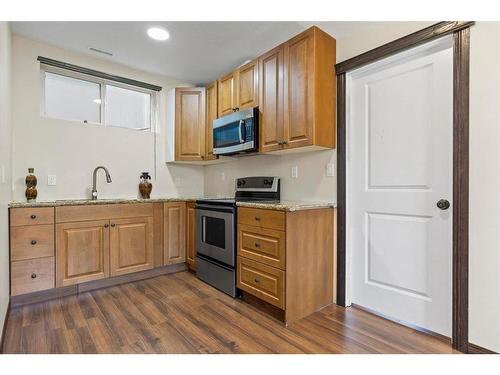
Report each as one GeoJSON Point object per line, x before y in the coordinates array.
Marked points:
{"type": "Point", "coordinates": [461, 46]}
{"type": "Point", "coordinates": [2, 338]}
{"type": "Point", "coordinates": [71, 290]}
{"type": "Point", "coordinates": [461, 43]}
{"type": "Point", "coordinates": [341, 188]}
{"type": "Point", "coordinates": [476, 349]}
{"type": "Point", "coordinates": [409, 41]}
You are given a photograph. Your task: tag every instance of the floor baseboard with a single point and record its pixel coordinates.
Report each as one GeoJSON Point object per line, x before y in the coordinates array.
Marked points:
{"type": "Point", "coordinates": [476, 349]}
{"type": "Point", "coordinates": [2, 338]}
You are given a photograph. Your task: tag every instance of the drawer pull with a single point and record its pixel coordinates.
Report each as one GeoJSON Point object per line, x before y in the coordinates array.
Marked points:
{"type": "Point", "coordinates": [33, 242]}
{"type": "Point", "coordinates": [256, 280]}
{"type": "Point", "coordinates": [33, 217]}
{"type": "Point", "coordinates": [257, 218]}
{"type": "Point", "coordinates": [257, 244]}
{"type": "Point", "coordinates": [33, 275]}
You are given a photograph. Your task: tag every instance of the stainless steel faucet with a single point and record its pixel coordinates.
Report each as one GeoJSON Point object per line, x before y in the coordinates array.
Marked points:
{"type": "Point", "coordinates": [108, 180]}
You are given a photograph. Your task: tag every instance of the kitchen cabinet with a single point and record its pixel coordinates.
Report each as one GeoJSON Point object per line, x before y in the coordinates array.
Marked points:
{"type": "Point", "coordinates": [190, 121]}
{"type": "Point", "coordinates": [303, 68]}
{"type": "Point", "coordinates": [174, 232]}
{"type": "Point", "coordinates": [191, 235]}
{"type": "Point", "coordinates": [82, 252]}
{"type": "Point", "coordinates": [211, 115]}
{"type": "Point", "coordinates": [271, 99]}
{"type": "Point", "coordinates": [239, 89]}
{"type": "Point", "coordinates": [131, 245]}
{"type": "Point", "coordinates": [227, 94]}
{"type": "Point", "coordinates": [285, 259]}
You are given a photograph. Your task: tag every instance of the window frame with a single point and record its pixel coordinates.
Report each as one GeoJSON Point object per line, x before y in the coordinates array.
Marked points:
{"type": "Point", "coordinates": [102, 82]}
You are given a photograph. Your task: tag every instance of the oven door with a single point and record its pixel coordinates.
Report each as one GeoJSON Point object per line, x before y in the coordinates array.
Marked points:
{"type": "Point", "coordinates": [215, 233]}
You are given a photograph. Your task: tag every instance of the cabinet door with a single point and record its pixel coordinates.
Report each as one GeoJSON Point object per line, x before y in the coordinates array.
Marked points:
{"type": "Point", "coordinates": [211, 115]}
{"type": "Point", "coordinates": [248, 85]}
{"type": "Point", "coordinates": [191, 236]}
{"type": "Point", "coordinates": [189, 123]}
{"type": "Point", "coordinates": [227, 94]}
{"type": "Point", "coordinates": [299, 90]}
{"type": "Point", "coordinates": [82, 252]}
{"type": "Point", "coordinates": [131, 245]}
{"type": "Point", "coordinates": [174, 232]}
{"type": "Point", "coordinates": [271, 99]}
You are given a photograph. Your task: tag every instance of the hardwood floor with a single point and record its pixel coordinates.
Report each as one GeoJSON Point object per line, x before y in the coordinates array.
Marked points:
{"type": "Point", "coordinates": [178, 313]}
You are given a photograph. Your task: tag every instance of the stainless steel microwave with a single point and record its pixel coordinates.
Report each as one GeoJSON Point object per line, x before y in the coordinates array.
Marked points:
{"type": "Point", "coordinates": [236, 133]}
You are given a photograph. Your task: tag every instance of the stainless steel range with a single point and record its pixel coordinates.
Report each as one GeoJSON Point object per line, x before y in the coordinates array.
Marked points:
{"type": "Point", "coordinates": [216, 245]}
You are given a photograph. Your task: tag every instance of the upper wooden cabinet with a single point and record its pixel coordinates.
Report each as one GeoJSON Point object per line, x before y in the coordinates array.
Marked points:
{"type": "Point", "coordinates": [190, 123]}
{"type": "Point", "coordinates": [211, 115]}
{"type": "Point", "coordinates": [303, 68]}
{"type": "Point", "coordinates": [239, 89]}
{"type": "Point", "coordinates": [271, 99]}
{"type": "Point", "coordinates": [247, 85]}
{"type": "Point", "coordinates": [227, 94]}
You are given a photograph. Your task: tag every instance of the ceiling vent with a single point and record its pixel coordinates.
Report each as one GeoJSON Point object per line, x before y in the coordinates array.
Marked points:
{"type": "Point", "coordinates": [100, 51]}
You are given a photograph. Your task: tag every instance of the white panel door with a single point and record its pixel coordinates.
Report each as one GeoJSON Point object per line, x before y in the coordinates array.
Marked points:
{"type": "Point", "coordinates": [399, 165]}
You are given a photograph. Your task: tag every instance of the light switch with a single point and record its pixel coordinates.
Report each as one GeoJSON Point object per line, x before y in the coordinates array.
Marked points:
{"type": "Point", "coordinates": [330, 170]}
{"type": "Point", "coordinates": [51, 180]}
{"type": "Point", "coordinates": [295, 171]}
{"type": "Point", "coordinates": [223, 176]}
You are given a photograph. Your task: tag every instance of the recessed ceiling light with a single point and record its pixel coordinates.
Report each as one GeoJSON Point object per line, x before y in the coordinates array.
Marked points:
{"type": "Point", "coordinates": [158, 33]}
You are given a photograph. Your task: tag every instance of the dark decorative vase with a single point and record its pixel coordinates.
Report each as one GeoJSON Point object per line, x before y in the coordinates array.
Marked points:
{"type": "Point", "coordinates": [145, 186]}
{"type": "Point", "coordinates": [31, 181]}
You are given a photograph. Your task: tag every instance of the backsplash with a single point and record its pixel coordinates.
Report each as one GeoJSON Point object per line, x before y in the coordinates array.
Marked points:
{"type": "Point", "coordinates": [311, 183]}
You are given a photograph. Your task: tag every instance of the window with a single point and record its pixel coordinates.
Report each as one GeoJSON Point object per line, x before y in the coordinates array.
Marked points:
{"type": "Point", "coordinates": [84, 98]}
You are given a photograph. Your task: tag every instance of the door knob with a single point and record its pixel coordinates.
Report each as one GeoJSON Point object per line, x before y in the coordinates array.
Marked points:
{"type": "Point", "coordinates": [443, 204]}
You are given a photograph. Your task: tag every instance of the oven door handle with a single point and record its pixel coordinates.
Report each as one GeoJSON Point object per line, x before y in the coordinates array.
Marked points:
{"type": "Point", "coordinates": [241, 130]}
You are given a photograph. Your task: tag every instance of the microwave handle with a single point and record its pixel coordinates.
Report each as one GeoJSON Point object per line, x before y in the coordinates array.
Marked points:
{"type": "Point", "coordinates": [242, 130]}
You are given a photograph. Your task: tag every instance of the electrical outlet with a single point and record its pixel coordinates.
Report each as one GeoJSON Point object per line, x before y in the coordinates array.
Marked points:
{"type": "Point", "coordinates": [51, 180]}
{"type": "Point", "coordinates": [177, 181]}
{"type": "Point", "coordinates": [330, 170]}
{"type": "Point", "coordinates": [295, 171]}
{"type": "Point", "coordinates": [223, 176]}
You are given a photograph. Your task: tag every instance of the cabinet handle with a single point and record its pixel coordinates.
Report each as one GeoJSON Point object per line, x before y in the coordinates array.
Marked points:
{"type": "Point", "coordinates": [106, 225]}
{"type": "Point", "coordinates": [257, 244]}
{"type": "Point", "coordinates": [33, 275]}
{"type": "Point", "coordinates": [285, 142]}
{"type": "Point", "coordinates": [113, 225]}
{"type": "Point", "coordinates": [33, 242]}
{"type": "Point", "coordinates": [257, 218]}
{"type": "Point", "coordinates": [33, 217]}
{"type": "Point", "coordinates": [256, 280]}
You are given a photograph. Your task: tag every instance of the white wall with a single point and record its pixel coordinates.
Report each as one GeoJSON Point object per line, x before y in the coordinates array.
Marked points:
{"type": "Point", "coordinates": [5, 165]}
{"type": "Point", "coordinates": [484, 207]}
{"type": "Point", "coordinates": [71, 150]}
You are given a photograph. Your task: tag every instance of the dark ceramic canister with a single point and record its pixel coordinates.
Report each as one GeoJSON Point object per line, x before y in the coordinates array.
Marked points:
{"type": "Point", "coordinates": [145, 186]}
{"type": "Point", "coordinates": [31, 181]}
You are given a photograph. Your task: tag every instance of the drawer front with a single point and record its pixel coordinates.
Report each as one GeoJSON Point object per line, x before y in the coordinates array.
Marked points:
{"type": "Point", "coordinates": [33, 275]}
{"type": "Point", "coordinates": [264, 282]}
{"type": "Point", "coordinates": [262, 218]}
{"type": "Point", "coordinates": [30, 242]}
{"type": "Point", "coordinates": [261, 244]}
{"type": "Point", "coordinates": [66, 214]}
{"type": "Point", "coordinates": [31, 216]}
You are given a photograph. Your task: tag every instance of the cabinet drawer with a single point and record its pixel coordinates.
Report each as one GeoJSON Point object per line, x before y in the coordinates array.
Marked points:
{"type": "Point", "coordinates": [261, 244]}
{"type": "Point", "coordinates": [31, 215]}
{"type": "Point", "coordinates": [33, 241]}
{"type": "Point", "coordinates": [264, 282]}
{"type": "Point", "coordinates": [32, 275]}
{"type": "Point", "coordinates": [262, 218]}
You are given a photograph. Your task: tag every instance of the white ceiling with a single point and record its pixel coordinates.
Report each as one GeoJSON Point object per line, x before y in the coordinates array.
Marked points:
{"type": "Point", "coordinates": [197, 52]}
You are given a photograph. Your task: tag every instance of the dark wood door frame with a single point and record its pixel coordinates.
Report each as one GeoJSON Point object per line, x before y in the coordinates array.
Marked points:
{"type": "Point", "coordinates": [460, 205]}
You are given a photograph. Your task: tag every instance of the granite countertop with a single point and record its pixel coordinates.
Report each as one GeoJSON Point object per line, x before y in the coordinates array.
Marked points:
{"type": "Point", "coordinates": [89, 202]}
{"type": "Point", "coordinates": [285, 205]}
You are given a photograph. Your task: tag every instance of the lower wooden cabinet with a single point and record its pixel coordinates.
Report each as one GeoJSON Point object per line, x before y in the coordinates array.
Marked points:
{"type": "Point", "coordinates": [82, 252]}
{"type": "Point", "coordinates": [174, 232]}
{"type": "Point", "coordinates": [131, 245]}
{"type": "Point", "coordinates": [191, 236]}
